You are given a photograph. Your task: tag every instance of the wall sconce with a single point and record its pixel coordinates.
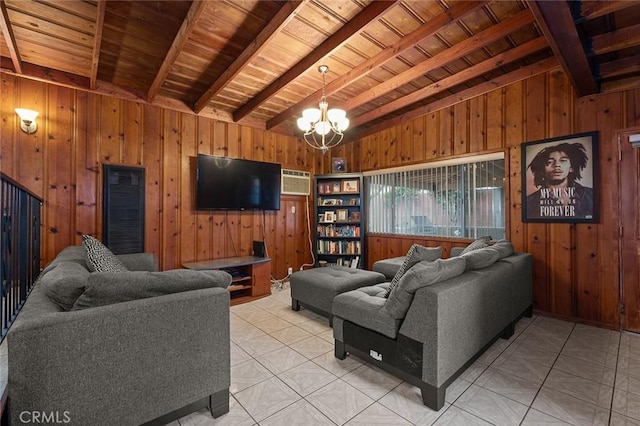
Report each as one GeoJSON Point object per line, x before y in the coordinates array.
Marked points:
{"type": "Point", "coordinates": [27, 120]}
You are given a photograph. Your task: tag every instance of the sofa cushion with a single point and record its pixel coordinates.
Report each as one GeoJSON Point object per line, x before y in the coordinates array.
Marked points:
{"type": "Point", "coordinates": [64, 283]}
{"type": "Point", "coordinates": [100, 258]}
{"type": "Point", "coordinates": [365, 307]}
{"type": "Point", "coordinates": [388, 267]}
{"type": "Point", "coordinates": [478, 259]}
{"type": "Point", "coordinates": [416, 253]}
{"type": "Point", "coordinates": [481, 242]}
{"type": "Point", "coordinates": [504, 247]}
{"type": "Point", "coordinates": [104, 288]}
{"type": "Point", "coordinates": [421, 275]}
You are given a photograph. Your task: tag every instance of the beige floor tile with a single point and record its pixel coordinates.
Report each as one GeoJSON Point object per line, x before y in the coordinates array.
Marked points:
{"type": "Point", "coordinates": [247, 374]}
{"type": "Point", "coordinates": [491, 406]}
{"type": "Point", "coordinates": [238, 355]}
{"type": "Point", "coordinates": [255, 316]}
{"type": "Point", "coordinates": [579, 387]}
{"type": "Point", "coordinates": [532, 371]}
{"type": "Point", "coordinates": [588, 370]}
{"type": "Point", "coordinates": [629, 366]}
{"type": "Point", "coordinates": [508, 385]}
{"type": "Point", "coordinates": [307, 378]}
{"type": "Point", "coordinates": [281, 360]}
{"type": "Point", "coordinates": [244, 333]}
{"type": "Point", "coordinates": [327, 335]}
{"type": "Point", "coordinates": [260, 345]}
{"type": "Point", "coordinates": [266, 398]}
{"type": "Point", "coordinates": [620, 420]}
{"type": "Point", "coordinates": [291, 334]}
{"type": "Point", "coordinates": [406, 400]}
{"type": "Point", "coordinates": [628, 383]}
{"type": "Point", "coordinates": [371, 381]}
{"type": "Point", "coordinates": [577, 349]}
{"type": "Point", "coordinates": [237, 416]}
{"type": "Point", "coordinates": [312, 347]}
{"type": "Point", "coordinates": [339, 401]}
{"type": "Point", "coordinates": [540, 339]}
{"type": "Point", "coordinates": [457, 417]}
{"type": "Point", "coordinates": [315, 325]}
{"type": "Point", "coordinates": [336, 366]}
{"type": "Point", "coordinates": [272, 325]}
{"type": "Point", "coordinates": [537, 418]}
{"type": "Point", "coordinates": [377, 414]}
{"type": "Point", "coordinates": [626, 403]}
{"type": "Point", "coordinates": [569, 408]}
{"type": "Point", "coordinates": [455, 389]}
{"type": "Point", "coordinates": [298, 413]}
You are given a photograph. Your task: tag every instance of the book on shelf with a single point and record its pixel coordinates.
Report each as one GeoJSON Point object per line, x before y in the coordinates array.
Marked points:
{"type": "Point", "coordinates": [355, 262]}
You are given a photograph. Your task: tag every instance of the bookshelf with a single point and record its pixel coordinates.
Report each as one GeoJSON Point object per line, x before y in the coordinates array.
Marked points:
{"type": "Point", "coordinates": [339, 220]}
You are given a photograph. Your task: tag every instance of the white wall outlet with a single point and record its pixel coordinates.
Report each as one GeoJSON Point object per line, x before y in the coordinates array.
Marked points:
{"type": "Point", "coordinates": [293, 209]}
{"type": "Point", "coordinates": [290, 270]}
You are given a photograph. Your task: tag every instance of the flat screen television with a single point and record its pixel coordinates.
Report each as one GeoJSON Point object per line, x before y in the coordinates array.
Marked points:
{"type": "Point", "coordinates": [234, 184]}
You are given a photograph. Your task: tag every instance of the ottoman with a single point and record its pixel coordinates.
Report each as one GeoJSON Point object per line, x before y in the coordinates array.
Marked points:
{"type": "Point", "coordinates": [316, 288]}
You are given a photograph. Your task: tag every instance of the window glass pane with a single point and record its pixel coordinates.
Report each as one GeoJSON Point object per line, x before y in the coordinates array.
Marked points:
{"type": "Point", "coordinates": [450, 200]}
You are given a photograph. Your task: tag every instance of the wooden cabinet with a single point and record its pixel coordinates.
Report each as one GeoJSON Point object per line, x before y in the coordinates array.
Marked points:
{"type": "Point", "coordinates": [250, 275]}
{"type": "Point", "coordinates": [339, 220]}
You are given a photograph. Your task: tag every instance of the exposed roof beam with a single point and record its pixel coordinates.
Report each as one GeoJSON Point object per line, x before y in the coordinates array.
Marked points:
{"type": "Point", "coordinates": [10, 38]}
{"type": "Point", "coordinates": [47, 75]}
{"type": "Point", "coordinates": [616, 40]}
{"type": "Point", "coordinates": [465, 47]}
{"type": "Point", "coordinates": [596, 9]}
{"type": "Point", "coordinates": [474, 71]}
{"type": "Point", "coordinates": [286, 13]}
{"type": "Point", "coordinates": [556, 23]}
{"type": "Point", "coordinates": [189, 22]}
{"type": "Point", "coordinates": [97, 41]}
{"type": "Point", "coordinates": [478, 90]}
{"type": "Point", "coordinates": [620, 67]}
{"type": "Point", "coordinates": [337, 39]}
{"type": "Point", "coordinates": [457, 11]}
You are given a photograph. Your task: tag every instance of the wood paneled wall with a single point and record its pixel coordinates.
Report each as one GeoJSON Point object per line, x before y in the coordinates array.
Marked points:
{"type": "Point", "coordinates": [575, 265]}
{"type": "Point", "coordinates": [79, 131]}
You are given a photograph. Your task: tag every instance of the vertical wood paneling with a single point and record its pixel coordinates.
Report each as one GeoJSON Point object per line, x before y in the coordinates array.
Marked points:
{"type": "Point", "coordinates": [418, 138]}
{"type": "Point", "coordinates": [171, 151]}
{"type": "Point", "coordinates": [30, 149]}
{"type": "Point", "coordinates": [494, 120]}
{"type": "Point", "coordinates": [9, 120]}
{"type": "Point", "coordinates": [204, 219]}
{"type": "Point", "coordinates": [445, 138]}
{"type": "Point", "coordinates": [188, 217]}
{"type": "Point", "coordinates": [84, 173]}
{"type": "Point", "coordinates": [406, 142]}
{"type": "Point", "coordinates": [461, 128]}
{"type": "Point", "coordinates": [152, 155]}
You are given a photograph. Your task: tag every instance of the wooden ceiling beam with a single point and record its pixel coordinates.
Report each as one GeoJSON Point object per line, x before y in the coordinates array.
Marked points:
{"type": "Point", "coordinates": [462, 96]}
{"type": "Point", "coordinates": [465, 47]}
{"type": "Point", "coordinates": [474, 71]}
{"type": "Point", "coordinates": [616, 40]}
{"type": "Point", "coordinates": [556, 23]}
{"type": "Point", "coordinates": [595, 9]}
{"type": "Point", "coordinates": [10, 38]}
{"type": "Point", "coordinates": [275, 26]}
{"type": "Point", "coordinates": [181, 38]}
{"type": "Point", "coordinates": [336, 40]}
{"type": "Point", "coordinates": [47, 75]}
{"type": "Point", "coordinates": [457, 11]}
{"type": "Point", "coordinates": [97, 42]}
{"type": "Point", "coordinates": [616, 68]}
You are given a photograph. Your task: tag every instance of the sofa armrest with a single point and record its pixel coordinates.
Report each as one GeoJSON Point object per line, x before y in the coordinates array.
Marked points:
{"type": "Point", "coordinates": [125, 363]}
{"type": "Point", "coordinates": [139, 261]}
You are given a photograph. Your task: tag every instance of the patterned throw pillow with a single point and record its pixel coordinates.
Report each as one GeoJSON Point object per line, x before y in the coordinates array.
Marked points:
{"type": "Point", "coordinates": [415, 254]}
{"type": "Point", "coordinates": [481, 242]}
{"type": "Point", "coordinates": [100, 258]}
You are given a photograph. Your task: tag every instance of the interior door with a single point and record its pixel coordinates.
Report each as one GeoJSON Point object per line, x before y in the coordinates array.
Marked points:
{"type": "Point", "coordinates": [630, 232]}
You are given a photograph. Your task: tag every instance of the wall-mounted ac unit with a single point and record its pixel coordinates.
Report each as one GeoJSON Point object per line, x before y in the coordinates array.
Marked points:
{"type": "Point", "coordinates": [295, 182]}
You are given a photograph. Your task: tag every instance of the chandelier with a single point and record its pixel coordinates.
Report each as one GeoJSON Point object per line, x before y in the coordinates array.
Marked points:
{"type": "Point", "coordinates": [322, 126]}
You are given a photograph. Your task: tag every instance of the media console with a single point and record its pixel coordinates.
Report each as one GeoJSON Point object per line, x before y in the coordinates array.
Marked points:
{"type": "Point", "coordinates": [250, 275]}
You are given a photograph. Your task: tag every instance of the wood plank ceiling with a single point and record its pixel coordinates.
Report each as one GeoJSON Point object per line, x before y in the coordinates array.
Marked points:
{"type": "Point", "coordinates": [255, 62]}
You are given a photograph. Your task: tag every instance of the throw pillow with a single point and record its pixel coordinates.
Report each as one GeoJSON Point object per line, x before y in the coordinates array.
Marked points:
{"type": "Point", "coordinates": [504, 247]}
{"type": "Point", "coordinates": [416, 253]}
{"type": "Point", "coordinates": [100, 258]}
{"type": "Point", "coordinates": [106, 288]}
{"type": "Point", "coordinates": [64, 283]}
{"type": "Point", "coordinates": [478, 259]}
{"type": "Point", "coordinates": [481, 242]}
{"type": "Point", "coordinates": [421, 275]}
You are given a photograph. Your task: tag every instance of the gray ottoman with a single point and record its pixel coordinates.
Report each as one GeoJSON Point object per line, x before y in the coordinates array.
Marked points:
{"type": "Point", "coordinates": [316, 288]}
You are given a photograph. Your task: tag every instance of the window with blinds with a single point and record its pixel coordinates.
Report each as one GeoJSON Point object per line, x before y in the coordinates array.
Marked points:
{"type": "Point", "coordinates": [461, 198]}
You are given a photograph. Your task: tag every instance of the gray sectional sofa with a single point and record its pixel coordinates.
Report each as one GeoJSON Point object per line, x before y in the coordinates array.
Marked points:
{"type": "Point", "coordinates": [125, 348]}
{"type": "Point", "coordinates": [439, 318]}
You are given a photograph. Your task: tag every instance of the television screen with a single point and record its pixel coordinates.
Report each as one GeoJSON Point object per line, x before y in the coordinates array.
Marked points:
{"type": "Point", "coordinates": [233, 184]}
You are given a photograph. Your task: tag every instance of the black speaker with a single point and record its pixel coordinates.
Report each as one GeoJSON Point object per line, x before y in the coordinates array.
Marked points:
{"type": "Point", "coordinates": [258, 249]}
{"type": "Point", "coordinates": [123, 209]}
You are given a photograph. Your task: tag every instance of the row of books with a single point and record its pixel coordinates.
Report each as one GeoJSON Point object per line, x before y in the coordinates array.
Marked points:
{"type": "Point", "coordinates": [351, 262]}
{"type": "Point", "coordinates": [338, 231]}
{"type": "Point", "coordinates": [339, 247]}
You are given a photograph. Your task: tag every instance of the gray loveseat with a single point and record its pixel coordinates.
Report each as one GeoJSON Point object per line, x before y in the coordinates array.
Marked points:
{"type": "Point", "coordinates": [133, 348]}
{"type": "Point", "coordinates": [439, 319]}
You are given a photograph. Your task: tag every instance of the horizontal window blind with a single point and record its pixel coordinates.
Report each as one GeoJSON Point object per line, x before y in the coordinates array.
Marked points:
{"type": "Point", "coordinates": [460, 199]}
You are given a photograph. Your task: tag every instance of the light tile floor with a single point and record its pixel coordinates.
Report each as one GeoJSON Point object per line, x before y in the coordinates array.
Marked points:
{"type": "Point", "coordinates": [551, 372]}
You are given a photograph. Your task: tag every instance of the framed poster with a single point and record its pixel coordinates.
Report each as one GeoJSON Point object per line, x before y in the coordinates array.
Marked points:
{"type": "Point", "coordinates": [351, 185]}
{"type": "Point", "coordinates": [560, 179]}
{"type": "Point", "coordinates": [338, 165]}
